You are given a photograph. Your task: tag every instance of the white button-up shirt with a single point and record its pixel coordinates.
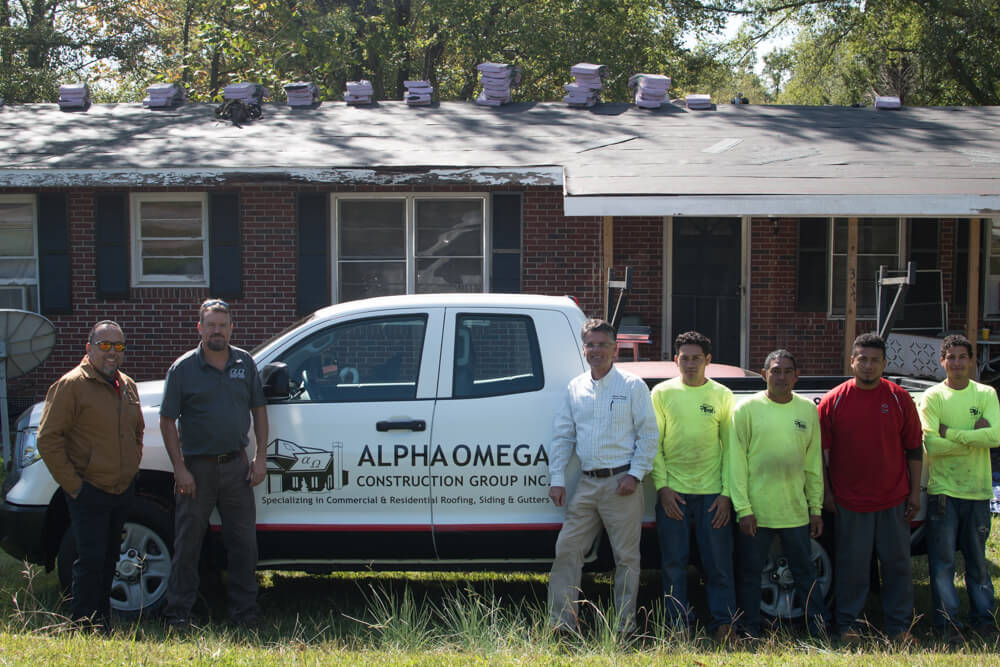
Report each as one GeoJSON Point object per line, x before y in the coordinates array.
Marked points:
{"type": "Point", "coordinates": [608, 423]}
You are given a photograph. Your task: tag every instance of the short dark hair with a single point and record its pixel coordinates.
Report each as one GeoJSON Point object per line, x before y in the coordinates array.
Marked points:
{"type": "Point", "coordinates": [693, 338]}
{"type": "Point", "coordinates": [955, 340]}
{"type": "Point", "coordinates": [103, 323]}
{"type": "Point", "coordinates": [779, 353]}
{"type": "Point", "coordinates": [213, 306]}
{"type": "Point", "coordinates": [870, 339]}
{"type": "Point", "coordinates": [598, 325]}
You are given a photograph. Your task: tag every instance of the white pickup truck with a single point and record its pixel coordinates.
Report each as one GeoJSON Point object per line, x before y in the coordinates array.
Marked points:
{"type": "Point", "coordinates": [406, 432]}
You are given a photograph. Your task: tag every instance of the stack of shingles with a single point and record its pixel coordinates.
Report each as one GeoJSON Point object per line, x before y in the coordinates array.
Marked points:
{"type": "Point", "coordinates": [246, 92]}
{"type": "Point", "coordinates": [302, 94]}
{"type": "Point", "coordinates": [696, 101]}
{"type": "Point", "coordinates": [74, 96]}
{"type": "Point", "coordinates": [497, 80]}
{"type": "Point", "coordinates": [164, 95]}
{"type": "Point", "coordinates": [418, 93]}
{"type": "Point", "coordinates": [585, 91]}
{"type": "Point", "coordinates": [359, 92]}
{"type": "Point", "coordinates": [650, 89]}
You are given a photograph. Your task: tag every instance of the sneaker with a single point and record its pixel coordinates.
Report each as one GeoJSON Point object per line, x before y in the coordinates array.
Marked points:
{"type": "Point", "coordinates": [851, 637]}
{"type": "Point", "coordinates": [725, 635]}
{"type": "Point", "coordinates": [905, 640]}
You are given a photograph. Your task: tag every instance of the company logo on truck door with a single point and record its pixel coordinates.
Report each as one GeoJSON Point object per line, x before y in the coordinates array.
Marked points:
{"type": "Point", "coordinates": [294, 467]}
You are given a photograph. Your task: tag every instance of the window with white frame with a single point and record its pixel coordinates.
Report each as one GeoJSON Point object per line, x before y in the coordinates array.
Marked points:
{"type": "Point", "coordinates": [991, 298]}
{"type": "Point", "coordinates": [170, 239]}
{"type": "Point", "coordinates": [879, 242]}
{"type": "Point", "coordinates": [408, 244]}
{"type": "Point", "coordinates": [18, 254]}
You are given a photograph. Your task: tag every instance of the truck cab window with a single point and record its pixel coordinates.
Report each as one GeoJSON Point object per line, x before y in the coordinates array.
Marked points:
{"type": "Point", "coordinates": [495, 354]}
{"type": "Point", "coordinates": [375, 359]}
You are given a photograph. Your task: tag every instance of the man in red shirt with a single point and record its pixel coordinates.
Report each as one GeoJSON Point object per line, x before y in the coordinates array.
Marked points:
{"type": "Point", "coordinates": [872, 446]}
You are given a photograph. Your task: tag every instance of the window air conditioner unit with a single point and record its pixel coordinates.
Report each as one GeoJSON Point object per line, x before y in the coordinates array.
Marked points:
{"type": "Point", "coordinates": [14, 296]}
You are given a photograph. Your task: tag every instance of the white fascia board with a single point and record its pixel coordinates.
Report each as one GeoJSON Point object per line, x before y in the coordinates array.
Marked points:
{"type": "Point", "coordinates": [787, 205]}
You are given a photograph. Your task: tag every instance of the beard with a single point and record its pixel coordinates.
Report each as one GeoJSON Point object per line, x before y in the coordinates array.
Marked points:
{"type": "Point", "coordinates": [217, 343]}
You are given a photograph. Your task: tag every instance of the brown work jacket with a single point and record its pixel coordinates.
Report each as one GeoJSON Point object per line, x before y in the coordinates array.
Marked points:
{"type": "Point", "coordinates": [91, 432]}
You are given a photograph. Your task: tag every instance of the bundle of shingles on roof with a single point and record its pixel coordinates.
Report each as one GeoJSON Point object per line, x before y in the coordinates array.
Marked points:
{"type": "Point", "coordinates": [74, 96]}
{"type": "Point", "coordinates": [246, 92]}
{"type": "Point", "coordinates": [588, 80]}
{"type": "Point", "coordinates": [650, 89]}
{"type": "Point", "coordinates": [418, 93]}
{"type": "Point", "coordinates": [698, 101]}
{"type": "Point", "coordinates": [497, 80]}
{"type": "Point", "coordinates": [302, 94]}
{"type": "Point", "coordinates": [164, 96]}
{"type": "Point", "coordinates": [359, 92]}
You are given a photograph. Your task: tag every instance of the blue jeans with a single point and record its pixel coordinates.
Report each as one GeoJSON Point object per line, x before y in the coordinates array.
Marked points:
{"type": "Point", "coordinates": [715, 546]}
{"type": "Point", "coordinates": [96, 519]}
{"type": "Point", "coordinates": [955, 522]}
{"type": "Point", "coordinates": [753, 557]}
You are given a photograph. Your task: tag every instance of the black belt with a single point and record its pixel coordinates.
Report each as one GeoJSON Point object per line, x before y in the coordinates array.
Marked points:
{"type": "Point", "coordinates": [606, 472]}
{"type": "Point", "coordinates": [217, 459]}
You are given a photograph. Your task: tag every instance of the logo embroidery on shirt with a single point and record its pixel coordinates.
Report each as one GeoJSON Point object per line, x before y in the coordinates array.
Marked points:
{"type": "Point", "coordinates": [974, 412]}
{"type": "Point", "coordinates": [237, 373]}
{"type": "Point", "coordinates": [885, 408]}
{"type": "Point", "coordinates": [799, 424]}
{"type": "Point", "coordinates": [706, 409]}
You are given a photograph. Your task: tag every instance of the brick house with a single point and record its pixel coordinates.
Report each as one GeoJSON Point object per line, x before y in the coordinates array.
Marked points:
{"type": "Point", "coordinates": [735, 221]}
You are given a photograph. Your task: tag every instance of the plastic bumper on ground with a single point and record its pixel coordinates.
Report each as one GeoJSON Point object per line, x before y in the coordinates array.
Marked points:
{"type": "Point", "coordinates": [21, 531]}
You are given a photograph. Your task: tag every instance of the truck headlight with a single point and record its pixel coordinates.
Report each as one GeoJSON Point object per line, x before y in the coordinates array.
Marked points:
{"type": "Point", "coordinates": [26, 447]}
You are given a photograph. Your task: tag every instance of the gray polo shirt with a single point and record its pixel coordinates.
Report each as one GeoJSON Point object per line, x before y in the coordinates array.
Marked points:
{"type": "Point", "coordinates": [213, 406]}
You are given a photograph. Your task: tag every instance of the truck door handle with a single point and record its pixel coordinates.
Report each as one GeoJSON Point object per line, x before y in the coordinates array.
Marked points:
{"type": "Point", "coordinates": [412, 425]}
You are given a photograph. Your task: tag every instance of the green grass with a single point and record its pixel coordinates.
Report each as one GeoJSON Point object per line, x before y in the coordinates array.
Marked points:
{"type": "Point", "coordinates": [419, 618]}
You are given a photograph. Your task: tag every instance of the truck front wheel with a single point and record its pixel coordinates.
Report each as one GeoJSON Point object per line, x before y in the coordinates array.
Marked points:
{"type": "Point", "coordinates": [139, 586]}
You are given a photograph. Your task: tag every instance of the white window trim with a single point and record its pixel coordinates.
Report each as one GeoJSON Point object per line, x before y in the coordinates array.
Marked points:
{"type": "Point", "coordinates": [900, 260]}
{"type": "Point", "coordinates": [410, 210]}
{"type": "Point", "coordinates": [991, 283]}
{"type": "Point", "coordinates": [28, 284]}
{"type": "Point", "coordinates": [135, 203]}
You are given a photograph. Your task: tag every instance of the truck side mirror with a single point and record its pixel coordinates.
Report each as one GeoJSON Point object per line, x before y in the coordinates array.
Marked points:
{"type": "Point", "coordinates": [274, 376]}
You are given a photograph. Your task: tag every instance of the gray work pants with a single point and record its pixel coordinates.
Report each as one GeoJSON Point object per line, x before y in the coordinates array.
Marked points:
{"type": "Point", "coordinates": [885, 533]}
{"type": "Point", "coordinates": [223, 486]}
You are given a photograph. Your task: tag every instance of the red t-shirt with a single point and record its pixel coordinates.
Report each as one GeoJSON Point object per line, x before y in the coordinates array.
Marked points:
{"type": "Point", "coordinates": [866, 433]}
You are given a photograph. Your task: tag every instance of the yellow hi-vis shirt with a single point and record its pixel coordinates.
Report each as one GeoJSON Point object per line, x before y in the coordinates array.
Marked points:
{"type": "Point", "coordinates": [776, 462]}
{"type": "Point", "coordinates": [959, 463]}
{"type": "Point", "coordinates": [691, 456]}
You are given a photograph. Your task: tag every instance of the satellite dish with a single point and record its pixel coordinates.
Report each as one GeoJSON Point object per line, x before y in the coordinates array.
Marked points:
{"type": "Point", "coordinates": [26, 340]}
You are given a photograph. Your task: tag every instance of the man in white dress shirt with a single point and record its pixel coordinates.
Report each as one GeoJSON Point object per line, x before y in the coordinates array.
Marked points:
{"type": "Point", "coordinates": [607, 420]}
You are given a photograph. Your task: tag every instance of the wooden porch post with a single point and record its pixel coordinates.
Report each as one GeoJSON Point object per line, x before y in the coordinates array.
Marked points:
{"type": "Point", "coordinates": [851, 304]}
{"type": "Point", "coordinates": [972, 324]}
{"type": "Point", "coordinates": [608, 259]}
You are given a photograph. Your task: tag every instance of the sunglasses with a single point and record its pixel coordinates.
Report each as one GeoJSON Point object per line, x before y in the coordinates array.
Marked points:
{"type": "Point", "coordinates": [214, 302]}
{"type": "Point", "coordinates": [105, 346]}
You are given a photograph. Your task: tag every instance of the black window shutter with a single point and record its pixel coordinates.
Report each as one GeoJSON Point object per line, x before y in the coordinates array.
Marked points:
{"type": "Point", "coordinates": [312, 282]}
{"type": "Point", "coordinates": [811, 275]}
{"type": "Point", "coordinates": [55, 286]}
{"type": "Point", "coordinates": [111, 236]}
{"type": "Point", "coordinates": [225, 255]}
{"type": "Point", "coordinates": [506, 269]}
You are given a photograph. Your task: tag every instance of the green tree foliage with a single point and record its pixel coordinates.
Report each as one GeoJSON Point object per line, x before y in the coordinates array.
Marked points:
{"type": "Point", "coordinates": [207, 44]}
{"type": "Point", "coordinates": [938, 52]}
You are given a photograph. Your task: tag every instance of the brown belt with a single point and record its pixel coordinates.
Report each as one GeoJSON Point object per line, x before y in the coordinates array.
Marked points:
{"type": "Point", "coordinates": [217, 459]}
{"type": "Point", "coordinates": [606, 472]}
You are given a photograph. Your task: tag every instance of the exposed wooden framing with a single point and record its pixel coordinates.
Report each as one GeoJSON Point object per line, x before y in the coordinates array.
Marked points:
{"type": "Point", "coordinates": [608, 258]}
{"type": "Point", "coordinates": [851, 304]}
{"type": "Point", "coordinates": [972, 325]}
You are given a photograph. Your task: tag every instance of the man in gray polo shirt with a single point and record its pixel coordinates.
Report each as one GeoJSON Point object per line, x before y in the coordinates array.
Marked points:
{"type": "Point", "coordinates": [212, 391]}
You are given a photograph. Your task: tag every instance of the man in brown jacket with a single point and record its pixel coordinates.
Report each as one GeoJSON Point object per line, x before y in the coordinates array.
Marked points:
{"type": "Point", "coordinates": [90, 437]}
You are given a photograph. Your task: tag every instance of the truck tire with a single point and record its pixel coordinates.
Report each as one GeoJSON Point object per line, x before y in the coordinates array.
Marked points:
{"type": "Point", "coordinates": [139, 587]}
{"type": "Point", "coordinates": [778, 598]}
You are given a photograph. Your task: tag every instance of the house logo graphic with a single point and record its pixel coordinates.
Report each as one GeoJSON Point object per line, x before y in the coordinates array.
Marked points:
{"type": "Point", "coordinates": [292, 467]}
